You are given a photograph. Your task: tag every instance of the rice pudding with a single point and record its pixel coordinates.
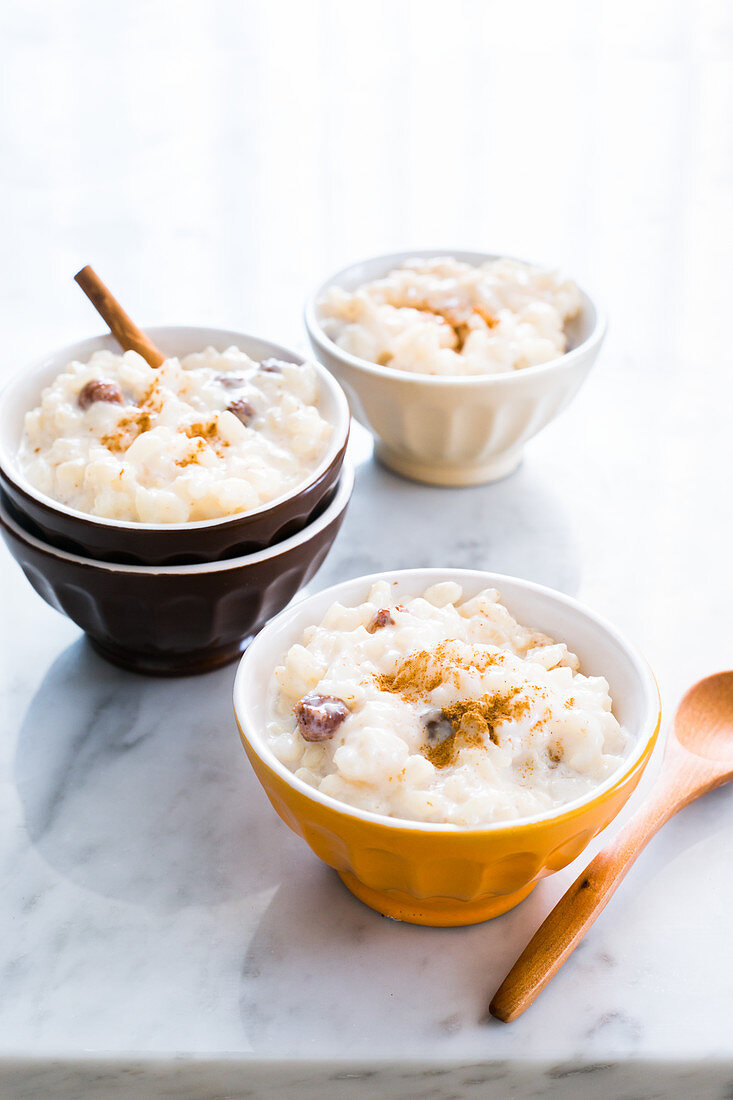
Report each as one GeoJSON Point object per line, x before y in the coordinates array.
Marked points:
{"type": "Point", "coordinates": [445, 317]}
{"type": "Point", "coordinates": [209, 435]}
{"type": "Point", "coordinates": [441, 709]}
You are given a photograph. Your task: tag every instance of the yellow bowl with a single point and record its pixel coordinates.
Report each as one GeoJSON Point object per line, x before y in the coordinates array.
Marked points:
{"type": "Point", "coordinates": [449, 874]}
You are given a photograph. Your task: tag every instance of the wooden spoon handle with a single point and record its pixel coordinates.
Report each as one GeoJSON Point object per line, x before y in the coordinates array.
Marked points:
{"type": "Point", "coordinates": [122, 327]}
{"type": "Point", "coordinates": [564, 928]}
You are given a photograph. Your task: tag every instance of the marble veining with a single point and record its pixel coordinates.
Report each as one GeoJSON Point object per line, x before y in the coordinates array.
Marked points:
{"type": "Point", "coordinates": [162, 933]}
{"type": "Point", "coordinates": [204, 1079]}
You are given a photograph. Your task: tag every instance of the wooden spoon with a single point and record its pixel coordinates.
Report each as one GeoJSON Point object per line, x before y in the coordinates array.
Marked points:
{"type": "Point", "coordinates": [122, 327]}
{"type": "Point", "coordinates": [699, 757]}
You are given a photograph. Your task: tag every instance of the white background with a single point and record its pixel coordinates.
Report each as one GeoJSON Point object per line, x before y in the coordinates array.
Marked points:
{"type": "Point", "coordinates": [214, 161]}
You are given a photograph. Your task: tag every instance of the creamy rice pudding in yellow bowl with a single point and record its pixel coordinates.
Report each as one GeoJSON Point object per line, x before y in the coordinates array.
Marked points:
{"type": "Point", "coordinates": [444, 738]}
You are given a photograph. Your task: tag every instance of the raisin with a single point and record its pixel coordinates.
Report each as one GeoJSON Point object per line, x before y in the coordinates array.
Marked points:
{"type": "Point", "coordinates": [437, 726]}
{"type": "Point", "coordinates": [319, 716]}
{"type": "Point", "coordinates": [382, 618]}
{"type": "Point", "coordinates": [242, 410]}
{"type": "Point", "coordinates": [231, 381]}
{"type": "Point", "coordinates": [99, 391]}
{"type": "Point", "coordinates": [272, 366]}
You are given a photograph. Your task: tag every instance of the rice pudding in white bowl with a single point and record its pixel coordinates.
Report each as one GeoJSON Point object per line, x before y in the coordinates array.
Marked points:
{"type": "Point", "coordinates": [444, 738]}
{"type": "Point", "coordinates": [230, 445]}
{"type": "Point", "coordinates": [454, 359]}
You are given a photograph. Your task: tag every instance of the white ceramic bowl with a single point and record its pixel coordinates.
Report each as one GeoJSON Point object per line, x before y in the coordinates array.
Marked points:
{"type": "Point", "coordinates": [165, 543]}
{"type": "Point", "coordinates": [450, 874]}
{"type": "Point", "coordinates": [453, 431]}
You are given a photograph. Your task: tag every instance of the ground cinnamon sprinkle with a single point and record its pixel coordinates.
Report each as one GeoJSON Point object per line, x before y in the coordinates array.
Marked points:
{"type": "Point", "coordinates": [489, 320]}
{"type": "Point", "coordinates": [555, 753]}
{"type": "Point", "coordinates": [202, 431]}
{"type": "Point", "coordinates": [458, 319]}
{"type": "Point", "coordinates": [471, 721]}
{"type": "Point", "coordinates": [130, 427]}
{"type": "Point", "coordinates": [143, 419]}
{"type": "Point", "coordinates": [193, 456]}
{"type": "Point", "coordinates": [126, 432]}
{"type": "Point", "coordinates": [419, 674]}
{"type": "Point", "coordinates": [472, 725]}
{"type": "Point", "coordinates": [422, 672]}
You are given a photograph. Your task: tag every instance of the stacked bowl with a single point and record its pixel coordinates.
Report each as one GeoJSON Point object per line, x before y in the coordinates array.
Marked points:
{"type": "Point", "coordinates": [171, 598]}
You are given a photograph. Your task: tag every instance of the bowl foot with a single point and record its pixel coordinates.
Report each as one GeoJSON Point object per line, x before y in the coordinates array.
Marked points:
{"type": "Point", "coordinates": [471, 473]}
{"type": "Point", "coordinates": [439, 912]}
{"type": "Point", "coordinates": [174, 664]}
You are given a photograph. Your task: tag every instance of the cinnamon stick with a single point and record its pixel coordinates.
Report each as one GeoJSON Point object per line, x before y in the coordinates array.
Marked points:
{"type": "Point", "coordinates": [122, 327]}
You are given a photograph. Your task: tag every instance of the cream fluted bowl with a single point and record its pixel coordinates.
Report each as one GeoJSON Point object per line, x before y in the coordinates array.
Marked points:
{"type": "Point", "coordinates": [453, 430]}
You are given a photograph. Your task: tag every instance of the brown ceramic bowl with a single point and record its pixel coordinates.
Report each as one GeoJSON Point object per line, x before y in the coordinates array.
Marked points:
{"type": "Point", "coordinates": [179, 619]}
{"type": "Point", "coordinates": [164, 543]}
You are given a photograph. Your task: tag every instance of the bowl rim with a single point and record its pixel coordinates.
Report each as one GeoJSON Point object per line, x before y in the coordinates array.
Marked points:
{"type": "Point", "coordinates": [391, 259]}
{"type": "Point", "coordinates": [337, 505]}
{"type": "Point", "coordinates": [341, 425]}
{"type": "Point", "coordinates": [648, 730]}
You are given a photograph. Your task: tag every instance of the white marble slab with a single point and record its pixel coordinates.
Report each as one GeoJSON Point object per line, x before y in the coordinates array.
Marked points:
{"type": "Point", "coordinates": [161, 931]}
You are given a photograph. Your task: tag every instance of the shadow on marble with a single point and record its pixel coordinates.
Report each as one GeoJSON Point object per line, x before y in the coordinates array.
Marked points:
{"type": "Point", "coordinates": [316, 942]}
{"type": "Point", "coordinates": [518, 526]}
{"type": "Point", "coordinates": [138, 788]}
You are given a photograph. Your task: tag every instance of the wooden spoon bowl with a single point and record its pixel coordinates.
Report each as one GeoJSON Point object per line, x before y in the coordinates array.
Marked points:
{"type": "Point", "coordinates": [704, 721]}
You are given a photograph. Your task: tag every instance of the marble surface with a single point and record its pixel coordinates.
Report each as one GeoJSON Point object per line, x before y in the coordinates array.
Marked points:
{"type": "Point", "coordinates": [161, 932]}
